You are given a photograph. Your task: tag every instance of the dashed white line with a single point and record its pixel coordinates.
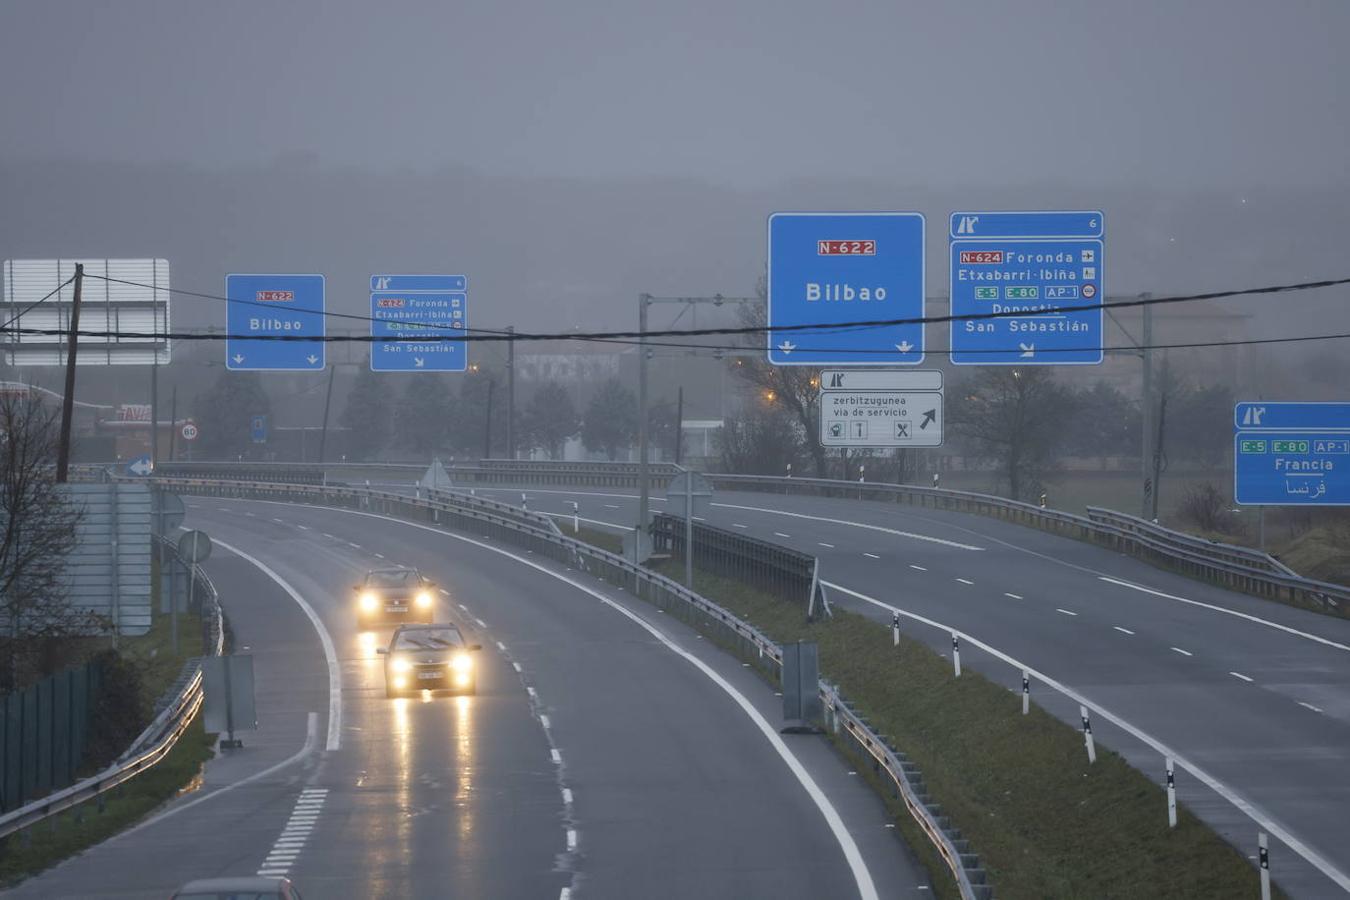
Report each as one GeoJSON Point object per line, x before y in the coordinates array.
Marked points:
{"type": "Point", "coordinates": [1122, 630]}
{"type": "Point", "coordinates": [303, 527]}
{"type": "Point", "coordinates": [917, 568]}
{"type": "Point", "coordinates": [1067, 612]}
{"type": "Point", "coordinates": [543, 720]}
{"type": "Point", "coordinates": [1013, 596]}
{"type": "Point", "coordinates": [571, 839]}
{"type": "Point", "coordinates": [380, 555]}
{"type": "Point", "coordinates": [279, 521]}
{"type": "Point", "coordinates": [699, 519]}
{"type": "Point", "coordinates": [501, 646]}
{"type": "Point", "coordinates": [557, 757]}
{"type": "Point", "coordinates": [350, 544]}
{"type": "Point", "coordinates": [781, 534]}
{"type": "Point", "coordinates": [1309, 706]}
{"type": "Point", "coordinates": [1182, 652]}
{"type": "Point", "coordinates": [516, 666]}
{"type": "Point", "coordinates": [1240, 675]}
{"type": "Point", "coordinates": [567, 796]}
{"type": "Point", "coordinates": [463, 607]}
{"type": "Point", "coordinates": [444, 592]}
{"type": "Point", "coordinates": [738, 525]}
{"type": "Point", "coordinates": [965, 581]}
{"type": "Point", "coordinates": [531, 692]}
{"type": "Point", "coordinates": [823, 544]}
{"type": "Point", "coordinates": [481, 623]}
{"type": "Point", "coordinates": [329, 536]}
{"type": "Point", "coordinates": [872, 555]}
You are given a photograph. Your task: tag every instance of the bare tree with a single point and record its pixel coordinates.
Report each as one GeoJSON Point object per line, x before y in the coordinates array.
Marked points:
{"type": "Point", "coordinates": [38, 530]}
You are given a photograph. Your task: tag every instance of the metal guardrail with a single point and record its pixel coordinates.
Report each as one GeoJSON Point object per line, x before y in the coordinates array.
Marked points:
{"type": "Point", "coordinates": [764, 564]}
{"type": "Point", "coordinates": [1230, 553]}
{"type": "Point", "coordinates": [459, 511]}
{"type": "Point", "coordinates": [151, 746]}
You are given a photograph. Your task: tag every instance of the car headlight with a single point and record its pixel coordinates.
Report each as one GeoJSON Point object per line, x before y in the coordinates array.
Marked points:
{"type": "Point", "coordinates": [401, 665]}
{"type": "Point", "coordinates": [461, 662]}
{"type": "Point", "coordinates": [424, 599]}
{"type": "Point", "coordinates": [369, 600]}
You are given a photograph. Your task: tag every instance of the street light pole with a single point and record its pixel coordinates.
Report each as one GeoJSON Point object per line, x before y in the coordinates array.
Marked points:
{"type": "Point", "coordinates": [644, 484]}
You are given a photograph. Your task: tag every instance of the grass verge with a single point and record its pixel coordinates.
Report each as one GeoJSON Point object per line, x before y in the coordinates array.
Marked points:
{"type": "Point", "coordinates": [77, 829]}
{"type": "Point", "coordinates": [1044, 822]}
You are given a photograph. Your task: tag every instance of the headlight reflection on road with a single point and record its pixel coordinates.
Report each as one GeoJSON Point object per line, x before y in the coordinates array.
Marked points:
{"type": "Point", "coordinates": [465, 764]}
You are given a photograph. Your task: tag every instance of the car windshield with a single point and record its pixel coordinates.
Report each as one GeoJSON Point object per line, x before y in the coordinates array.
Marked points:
{"type": "Point", "coordinates": [393, 578]}
{"type": "Point", "coordinates": [428, 639]}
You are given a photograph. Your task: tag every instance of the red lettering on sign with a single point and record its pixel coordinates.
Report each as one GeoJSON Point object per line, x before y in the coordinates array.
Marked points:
{"type": "Point", "coordinates": [981, 257]}
{"type": "Point", "coordinates": [275, 296]}
{"type": "Point", "coordinates": [846, 248]}
{"type": "Point", "coordinates": [390, 303]}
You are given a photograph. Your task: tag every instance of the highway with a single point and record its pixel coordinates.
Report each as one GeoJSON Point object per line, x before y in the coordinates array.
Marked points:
{"type": "Point", "coordinates": [1255, 692]}
{"type": "Point", "coordinates": [609, 752]}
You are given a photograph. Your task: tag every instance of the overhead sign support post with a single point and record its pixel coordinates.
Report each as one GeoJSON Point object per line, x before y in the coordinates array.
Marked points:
{"type": "Point", "coordinates": [1291, 454]}
{"type": "Point", "coordinates": [1047, 265]}
{"type": "Point", "coordinates": [263, 308]}
{"type": "Point", "coordinates": [827, 268]}
{"type": "Point", "coordinates": [404, 308]}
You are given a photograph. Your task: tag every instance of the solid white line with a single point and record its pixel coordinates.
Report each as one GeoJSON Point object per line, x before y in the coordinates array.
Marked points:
{"type": "Point", "coordinates": [1309, 706]}
{"type": "Point", "coordinates": [883, 529]}
{"type": "Point", "coordinates": [1232, 612]}
{"type": "Point", "coordinates": [823, 544]}
{"type": "Point", "coordinates": [334, 671]}
{"type": "Point", "coordinates": [872, 555]}
{"type": "Point", "coordinates": [311, 738]}
{"type": "Point", "coordinates": [557, 757]}
{"type": "Point", "coordinates": [1014, 596]}
{"type": "Point", "coordinates": [1067, 612]}
{"type": "Point", "coordinates": [917, 568]}
{"type": "Point", "coordinates": [1122, 630]}
{"type": "Point", "coordinates": [1252, 811]}
{"type": "Point", "coordinates": [780, 534]}
{"type": "Point", "coordinates": [543, 720]}
{"type": "Point", "coordinates": [1240, 675]}
{"type": "Point", "coordinates": [857, 865]}
{"type": "Point", "coordinates": [1183, 652]}
{"type": "Point", "coordinates": [965, 581]}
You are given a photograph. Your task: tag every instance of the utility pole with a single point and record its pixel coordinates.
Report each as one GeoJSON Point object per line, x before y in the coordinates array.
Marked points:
{"type": "Point", "coordinates": [1146, 409]}
{"type": "Point", "coordinates": [327, 402]}
{"type": "Point", "coordinates": [511, 394]}
{"type": "Point", "coordinates": [487, 424]}
{"type": "Point", "coordinates": [1158, 443]}
{"type": "Point", "coordinates": [644, 484]}
{"type": "Point", "coordinates": [68, 401]}
{"type": "Point", "coordinates": [173, 424]}
{"type": "Point", "coordinates": [679, 424]}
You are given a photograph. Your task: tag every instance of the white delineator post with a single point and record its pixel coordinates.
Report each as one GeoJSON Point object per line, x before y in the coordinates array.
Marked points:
{"type": "Point", "coordinates": [895, 628]}
{"type": "Point", "coordinates": [576, 517]}
{"type": "Point", "coordinates": [956, 654]}
{"type": "Point", "coordinates": [1026, 692]}
{"type": "Point", "coordinates": [1087, 735]}
{"type": "Point", "coordinates": [1171, 796]}
{"type": "Point", "coordinates": [524, 502]}
{"type": "Point", "coordinates": [1264, 861]}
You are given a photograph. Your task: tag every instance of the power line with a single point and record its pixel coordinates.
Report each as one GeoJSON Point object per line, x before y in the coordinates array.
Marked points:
{"type": "Point", "coordinates": [20, 314]}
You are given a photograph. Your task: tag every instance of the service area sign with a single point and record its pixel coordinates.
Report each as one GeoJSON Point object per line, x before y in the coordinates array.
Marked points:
{"type": "Point", "coordinates": [273, 306]}
{"type": "Point", "coordinates": [1291, 454]}
{"type": "Point", "coordinates": [406, 310]}
{"type": "Point", "coordinates": [829, 268]}
{"type": "Point", "coordinates": [880, 408]}
{"type": "Point", "coordinates": [1046, 267]}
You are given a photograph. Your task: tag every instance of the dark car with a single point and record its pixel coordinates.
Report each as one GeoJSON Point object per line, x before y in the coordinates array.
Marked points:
{"type": "Point", "coordinates": [254, 887]}
{"type": "Point", "coordinates": [429, 657]}
{"type": "Point", "coordinates": [395, 594]}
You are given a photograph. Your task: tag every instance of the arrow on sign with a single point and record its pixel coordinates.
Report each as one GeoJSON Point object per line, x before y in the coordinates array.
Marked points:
{"type": "Point", "coordinates": [904, 346]}
{"type": "Point", "coordinates": [787, 346]}
{"type": "Point", "coordinates": [140, 466]}
{"type": "Point", "coordinates": [930, 416]}
{"type": "Point", "coordinates": [238, 358]}
{"type": "Point", "coordinates": [311, 359]}
{"type": "Point", "coordinates": [419, 362]}
{"type": "Point", "coordinates": [1028, 350]}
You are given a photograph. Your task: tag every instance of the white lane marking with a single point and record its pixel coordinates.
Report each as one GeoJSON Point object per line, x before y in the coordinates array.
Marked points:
{"type": "Point", "coordinates": [872, 555]}
{"type": "Point", "coordinates": [881, 528]}
{"type": "Point", "coordinates": [311, 738]}
{"type": "Point", "coordinates": [567, 796]}
{"type": "Point", "coordinates": [1232, 612]}
{"type": "Point", "coordinates": [327, 535]}
{"type": "Point", "coordinates": [1182, 652]}
{"type": "Point", "coordinates": [516, 666]}
{"type": "Point", "coordinates": [444, 592]}
{"type": "Point", "coordinates": [1240, 675]}
{"type": "Point", "coordinates": [378, 555]}
{"type": "Point", "coordinates": [350, 544]}
{"type": "Point", "coordinates": [278, 521]}
{"type": "Point", "coordinates": [781, 534]}
{"type": "Point", "coordinates": [463, 607]}
{"type": "Point", "coordinates": [481, 623]}
{"type": "Point", "coordinates": [1251, 810]}
{"type": "Point", "coordinates": [738, 525]}
{"type": "Point", "coordinates": [611, 506]}
{"type": "Point", "coordinates": [1067, 612]}
{"type": "Point", "coordinates": [1309, 706]}
{"type": "Point", "coordinates": [543, 720]}
{"type": "Point", "coordinates": [557, 757]}
{"type": "Point", "coordinates": [823, 544]}
{"type": "Point", "coordinates": [303, 527]}
{"type": "Point", "coordinates": [501, 646]}
{"type": "Point", "coordinates": [249, 514]}
{"type": "Point", "coordinates": [531, 692]}
{"type": "Point", "coordinates": [1122, 630]}
{"type": "Point", "coordinates": [565, 894]}
{"type": "Point", "coordinates": [1013, 596]}
{"type": "Point", "coordinates": [334, 671]}
{"type": "Point", "coordinates": [571, 839]}
{"type": "Point", "coordinates": [699, 519]}
{"type": "Point", "coordinates": [965, 581]}
{"type": "Point", "coordinates": [917, 568]}
{"type": "Point", "coordinates": [857, 865]}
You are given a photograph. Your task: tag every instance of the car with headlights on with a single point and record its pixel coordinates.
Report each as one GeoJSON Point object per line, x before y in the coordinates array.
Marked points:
{"type": "Point", "coordinates": [395, 594]}
{"type": "Point", "coordinates": [429, 657]}
{"type": "Point", "coordinates": [246, 888]}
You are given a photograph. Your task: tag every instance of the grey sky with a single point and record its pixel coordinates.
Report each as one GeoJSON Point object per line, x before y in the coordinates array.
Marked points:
{"type": "Point", "coordinates": [1215, 93]}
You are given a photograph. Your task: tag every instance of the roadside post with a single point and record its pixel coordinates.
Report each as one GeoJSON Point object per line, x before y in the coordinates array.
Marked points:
{"type": "Point", "coordinates": [1026, 692]}
{"type": "Point", "coordinates": [895, 629]}
{"type": "Point", "coordinates": [956, 654]}
{"type": "Point", "coordinates": [1171, 796]}
{"type": "Point", "coordinates": [1262, 843]}
{"type": "Point", "coordinates": [1087, 735]}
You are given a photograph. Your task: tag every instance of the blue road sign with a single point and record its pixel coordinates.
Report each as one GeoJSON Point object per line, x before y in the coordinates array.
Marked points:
{"type": "Point", "coordinates": [1047, 265]}
{"type": "Point", "coordinates": [257, 426]}
{"type": "Point", "coordinates": [829, 268]}
{"type": "Point", "coordinates": [1291, 454]}
{"type": "Point", "coordinates": [269, 306]}
{"type": "Point", "coordinates": [141, 465]}
{"type": "Point", "coordinates": [409, 309]}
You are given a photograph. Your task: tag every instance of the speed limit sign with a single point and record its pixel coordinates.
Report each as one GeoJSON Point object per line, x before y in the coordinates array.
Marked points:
{"type": "Point", "coordinates": [189, 431]}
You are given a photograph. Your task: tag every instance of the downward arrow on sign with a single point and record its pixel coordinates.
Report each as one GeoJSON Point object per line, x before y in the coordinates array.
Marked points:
{"type": "Point", "coordinates": [787, 346]}
{"type": "Point", "coordinates": [904, 346]}
{"type": "Point", "coordinates": [238, 358]}
{"type": "Point", "coordinates": [1028, 350]}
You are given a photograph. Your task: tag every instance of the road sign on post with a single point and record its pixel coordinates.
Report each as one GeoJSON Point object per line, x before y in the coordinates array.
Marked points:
{"type": "Point", "coordinates": [1047, 265]}
{"type": "Point", "coordinates": [404, 308]}
{"type": "Point", "coordinates": [846, 267]}
{"type": "Point", "coordinates": [1291, 454]}
{"type": "Point", "coordinates": [274, 306]}
{"type": "Point", "coordinates": [879, 408]}
{"type": "Point", "coordinates": [257, 426]}
{"type": "Point", "coordinates": [189, 431]}
{"type": "Point", "coordinates": [141, 465]}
